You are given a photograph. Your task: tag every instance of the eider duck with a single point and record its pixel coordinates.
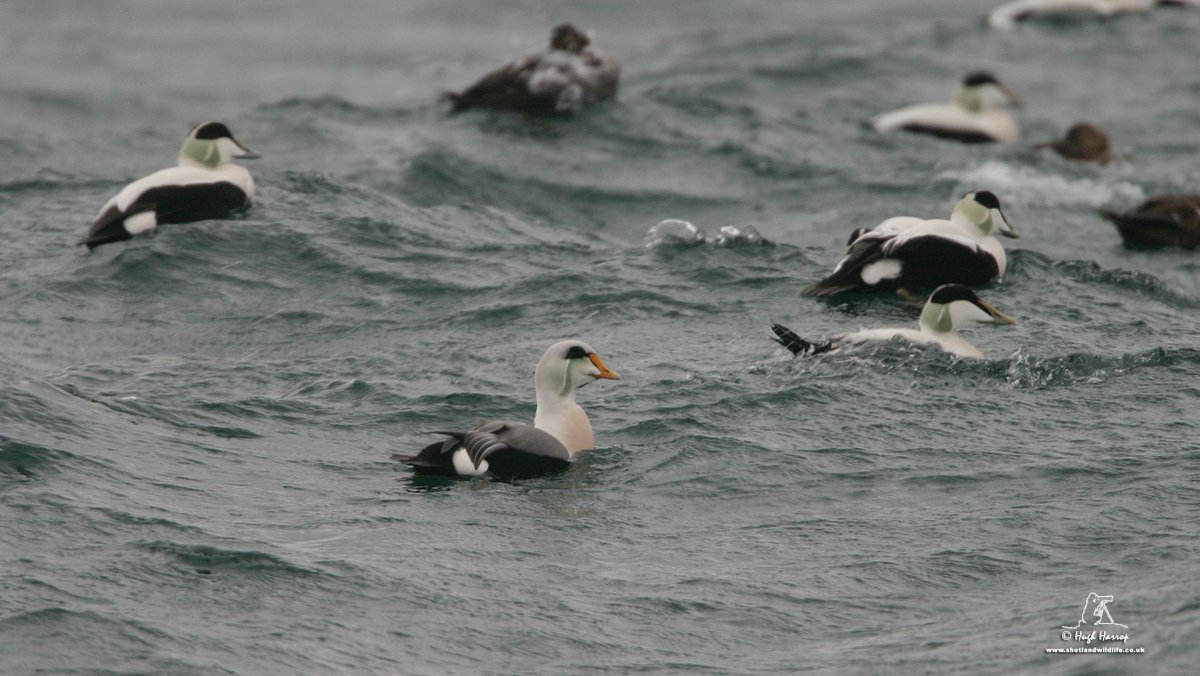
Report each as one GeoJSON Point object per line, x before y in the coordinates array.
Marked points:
{"type": "Point", "coordinates": [977, 115]}
{"type": "Point", "coordinates": [1163, 220]}
{"type": "Point", "coordinates": [907, 252]}
{"type": "Point", "coordinates": [560, 429]}
{"type": "Point", "coordinates": [206, 184]}
{"type": "Point", "coordinates": [1084, 142]}
{"type": "Point", "coordinates": [563, 79]}
{"type": "Point", "coordinates": [950, 307]}
{"type": "Point", "coordinates": [1007, 15]}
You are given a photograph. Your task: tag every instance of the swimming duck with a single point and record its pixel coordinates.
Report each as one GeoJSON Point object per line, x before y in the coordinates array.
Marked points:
{"type": "Point", "coordinates": [1084, 142]}
{"type": "Point", "coordinates": [977, 115]}
{"type": "Point", "coordinates": [563, 79]}
{"type": "Point", "coordinates": [950, 307]}
{"type": "Point", "coordinates": [1163, 220]}
{"type": "Point", "coordinates": [1007, 15]}
{"type": "Point", "coordinates": [206, 184]}
{"type": "Point", "coordinates": [908, 252]}
{"type": "Point", "coordinates": [560, 430]}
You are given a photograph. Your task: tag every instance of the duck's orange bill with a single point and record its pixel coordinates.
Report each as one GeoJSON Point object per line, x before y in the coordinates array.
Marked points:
{"type": "Point", "coordinates": [605, 372]}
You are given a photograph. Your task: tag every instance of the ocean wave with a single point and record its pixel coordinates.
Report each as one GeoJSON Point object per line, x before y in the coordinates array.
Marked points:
{"type": "Point", "coordinates": [329, 107]}
{"type": "Point", "coordinates": [208, 559]}
{"type": "Point", "coordinates": [675, 232]}
{"type": "Point", "coordinates": [21, 460]}
{"type": "Point", "coordinates": [1090, 272]}
{"type": "Point", "coordinates": [442, 176]}
{"type": "Point", "coordinates": [187, 417]}
{"type": "Point", "coordinates": [1020, 370]}
{"type": "Point", "coordinates": [51, 180]}
{"type": "Point", "coordinates": [125, 518]}
{"type": "Point", "coordinates": [1027, 371]}
{"type": "Point", "coordinates": [30, 403]}
{"type": "Point", "coordinates": [310, 183]}
{"type": "Point", "coordinates": [88, 628]}
{"type": "Point", "coordinates": [1027, 186]}
{"type": "Point", "coordinates": [1034, 265]}
{"type": "Point", "coordinates": [729, 118]}
{"type": "Point", "coordinates": [141, 388]}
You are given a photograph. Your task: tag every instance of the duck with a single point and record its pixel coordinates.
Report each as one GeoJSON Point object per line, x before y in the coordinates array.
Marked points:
{"type": "Point", "coordinates": [1007, 15]}
{"type": "Point", "coordinates": [949, 308]}
{"type": "Point", "coordinates": [905, 252]}
{"type": "Point", "coordinates": [560, 431]}
{"type": "Point", "coordinates": [978, 114]}
{"type": "Point", "coordinates": [566, 78]}
{"type": "Point", "coordinates": [1161, 221]}
{"type": "Point", "coordinates": [206, 184]}
{"type": "Point", "coordinates": [1084, 142]}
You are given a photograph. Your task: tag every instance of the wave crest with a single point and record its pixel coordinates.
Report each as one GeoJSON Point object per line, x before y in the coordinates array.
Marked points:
{"type": "Point", "coordinates": [674, 231]}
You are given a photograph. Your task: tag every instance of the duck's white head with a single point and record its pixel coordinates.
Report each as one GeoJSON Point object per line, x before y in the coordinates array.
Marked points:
{"type": "Point", "coordinates": [953, 306]}
{"type": "Point", "coordinates": [210, 144]}
{"type": "Point", "coordinates": [565, 367]}
{"type": "Point", "coordinates": [980, 210]}
{"type": "Point", "coordinates": [981, 90]}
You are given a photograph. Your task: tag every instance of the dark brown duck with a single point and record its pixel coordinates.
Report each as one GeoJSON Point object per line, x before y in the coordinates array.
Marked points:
{"type": "Point", "coordinates": [1084, 142]}
{"type": "Point", "coordinates": [563, 79]}
{"type": "Point", "coordinates": [1164, 220]}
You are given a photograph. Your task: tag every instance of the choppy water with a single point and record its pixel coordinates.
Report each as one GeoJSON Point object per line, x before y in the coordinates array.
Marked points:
{"type": "Point", "coordinates": [195, 428]}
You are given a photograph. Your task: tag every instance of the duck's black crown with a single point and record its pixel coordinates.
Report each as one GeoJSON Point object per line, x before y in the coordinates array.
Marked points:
{"type": "Point", "coordinates": [210, 131]}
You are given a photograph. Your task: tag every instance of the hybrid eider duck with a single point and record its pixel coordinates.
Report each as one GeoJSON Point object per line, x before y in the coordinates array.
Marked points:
{"type": "Point", "coordinates": [560, 430]}
{"type": "Point", "coordinates": [978, 114]}
{"type": "Point", "coordinates": [1007, 15]}
{"type": "Point", "coordinates": [950, 307]}
{"type": "Point", "coordinates": [1164, 220]}
{"type": "Point", "coordinates": [206, 184]}
{"type": "Point", "coordinates": [910, 253]}
{"type": "Point", "coordinates": [564, 79]}
{"type": "Point", "coordinates": [1084, 142]}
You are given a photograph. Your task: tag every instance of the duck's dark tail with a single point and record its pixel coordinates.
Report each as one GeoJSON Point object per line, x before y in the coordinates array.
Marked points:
{"type": "Point", "coordinates": [431, 460]}
{"type": "Point", "coordinates": [797, 345]}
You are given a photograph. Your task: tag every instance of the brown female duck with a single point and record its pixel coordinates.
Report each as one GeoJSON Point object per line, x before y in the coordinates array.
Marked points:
{"type": "Point", "coordinates": [563, 79]}
{"type": "Point", "coordinates": [1163, 220]}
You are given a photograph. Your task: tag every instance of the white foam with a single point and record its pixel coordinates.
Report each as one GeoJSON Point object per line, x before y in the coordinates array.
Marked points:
{"type": "Point", "coordinates": [734, 233]}
{"type": "Point", "coordinates": [676, 231]}
{"type": "Point", "coordinates": [673, 231]}
{"type": "Point", "coordinates": [1029, 187]}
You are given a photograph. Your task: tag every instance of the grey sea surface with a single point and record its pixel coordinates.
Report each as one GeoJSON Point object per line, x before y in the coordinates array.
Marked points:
{"type": "Point", "coordinates": [196, 427]}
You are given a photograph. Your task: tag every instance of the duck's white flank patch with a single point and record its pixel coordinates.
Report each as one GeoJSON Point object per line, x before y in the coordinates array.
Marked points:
{"type": "Point", "coordinates": [887, 268]}
{"type": "Point", "coordinates": [463, 465]}
{"type": "Point", "coordinates": [139, 223]}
